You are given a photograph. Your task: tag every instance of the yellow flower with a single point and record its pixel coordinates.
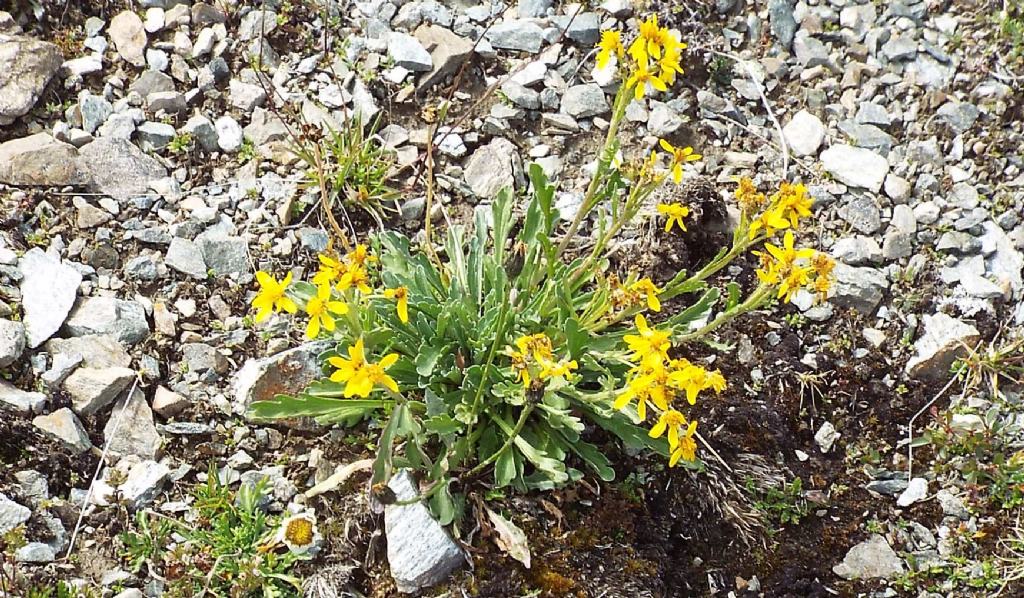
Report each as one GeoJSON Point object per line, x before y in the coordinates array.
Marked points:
{"type": "Point", "coordinates": [748, 197]}
{"type": "Point", "coordinates": [822, 264]}
{"type": "Point", "coordinates": [647, 383]}
{"type": "Point", "coordinates": [797, 277]}
{"type": "Point", "coordinates": [538, 345]}
{"type": "Point", "coordinates": [357, 277]}
{"type": "Point", "coordinates": [646, 287]}
{"type": "Point", "coordinates": [772, 220]}
{"type": "Point", "coordinates": [716, 381]}
{"type": "Point", "coordinates": [641, 77]}
{"type": "Point", "coordinates": [793, 202]}
{"type": "Point", "coordinates": [689, 378]}
{"type": "Point", "coordinates": [687, 448]}
{"type": "Point", "coordinates": [360, 256]}
{"type": "Point", "coordinates": [669, 63]}
{"type": "Point", "coordinates": [650, 345]}
{"type": "Point", "coordinates": [563, 368]}
{"type": "Point", "coordinates": [402, 295]}
{"type": "Point", "coordinates": [650, 40]}
{"type": "Point", "coordinates": [360, 376]}
{"type": "Point", "coordinates": [271, 297]}
{"type": "Point", "coordinates": [672, 421]}
{"type": "Point", "coordinates": [610, 44]}
{"type": "Point", "coordinates": [320, 309]}
{"type": "Point", "coordinates": [371, 375]}
{"type": "Point", "coordinates": [787, 255]}
{"type": "Point", "coordinates": [675, 212]}
{"type": "Point", "coordinates": [680, 156]}
{"type": "Point", "coordinates": [330, 270]}
{"type": "Point", "coordinates": [822, 284]}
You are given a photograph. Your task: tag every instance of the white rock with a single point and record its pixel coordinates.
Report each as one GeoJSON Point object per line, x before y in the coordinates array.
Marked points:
{"type": "Point", "coordinates": [19, 401]}
{"type": "Point", "coordinates": [916, 491]}
{"type": "Point", "coordinates": [92, 389]}
{"type": "Point", "coordinates": [490, 168]}
{"type": "Point", "coordinates": [12, 342]}
{"type": "Point", "coordinates": [855, 166]}
{"type": "Point", "coordinates": [12, 514]}
{"type": "Point", "coordinates": [64, 426]}
{"type": "Point", "coordinates": [944, 339]}
{"type": "Point", "coordinates": [420, 552]}
{"type": "Point", "coordinates": [804, 133]}
{"type": "Point", "coordinates": [826, 437]}
{"type": "Point", "coordinates": [143, 483]}
{"type": "Point", "coordinates": [872, 558]}
{"type": "Point", "coordinates": [229, 134]}
{"type": "Point", "coordinates": [130, 429]}
{"type": "Point", "coordinates": [48, 292]}
{"type": "Point", "coordinates": [129, 37]}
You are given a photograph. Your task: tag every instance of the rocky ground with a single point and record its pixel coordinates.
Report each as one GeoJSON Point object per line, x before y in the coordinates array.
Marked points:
{"type": "Point", "coordinates": [147, 170]}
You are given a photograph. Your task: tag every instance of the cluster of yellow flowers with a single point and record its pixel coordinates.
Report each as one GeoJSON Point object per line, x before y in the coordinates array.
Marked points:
{"type": "Point", "coordinates": [787, 267]}
{"type": "Point", "coordinates": [659, 379]}
{"type": "Point", "coordinates": [655, 56]}
{"type": "Point", "coordinates": [634, 294]}
{"type": "Point", "coordinates": [785, 208]}
{"type": "Point", "coordinates": [535, 352]}
{"type": "Point", "coordinates": [360, 376]}
{"type": "Point", "coordinates": [336, 282]}
{"type": "Point", "coordinates": [792, 269]}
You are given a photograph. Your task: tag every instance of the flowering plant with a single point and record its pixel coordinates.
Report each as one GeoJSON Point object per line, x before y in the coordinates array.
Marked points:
{"type": "Point", "coordinates": [493, 360]}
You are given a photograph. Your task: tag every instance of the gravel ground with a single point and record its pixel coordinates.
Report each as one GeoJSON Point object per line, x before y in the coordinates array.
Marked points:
{"type": "Point", "coordinates": [147, 172]}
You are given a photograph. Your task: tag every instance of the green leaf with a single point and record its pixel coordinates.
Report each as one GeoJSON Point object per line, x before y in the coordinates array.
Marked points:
{"type": "Point", "coordinates": [733, 291]}
{"type": "Point", "coordinates": [595, 459]}
{"type": "Point", "coordinates": [576, 338]}
{"type": "Point", "coordinates": [697, 311]}
{"type": "Point", "coordinates": [505, 469]}
{"type": "Point", "coordinates": [427, 358]}
{"type": "Point", "coordinates": [323, 409]}
{"type": "Point", "coordinates": [442, 424]}
{"type": "Point", "coordinates": [443, 504]}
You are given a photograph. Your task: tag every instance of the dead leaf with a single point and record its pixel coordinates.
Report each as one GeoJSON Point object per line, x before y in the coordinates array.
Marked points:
{"type": "Point", "coordinates": [510, 538]}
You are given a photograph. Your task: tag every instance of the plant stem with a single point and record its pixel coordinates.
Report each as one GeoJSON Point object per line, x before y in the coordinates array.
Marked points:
{"type": "Point", "coordinates": [499, 336]}
{"type": "Point", "coordinates": [754, 301]}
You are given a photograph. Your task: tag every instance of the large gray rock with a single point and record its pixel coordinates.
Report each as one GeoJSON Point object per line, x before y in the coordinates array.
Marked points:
{"type": "Point", "coordinates": [118, 168]}
{"type": "Point", "coordinates": [945, 338]}
{"type": "Point", "coordinates": [516, 34]}
{"type": "Point", "coordinates": [28, 66]}
{"type": "Point", "coordinates": [95, 350]}
{"type": "Point", "coordinates": [12, 514]}
{"type": "Point", "coordinates": [448, 52]}
{"type": "Point", "coordinates": [855, 166]}
{"type": "Point", "coordinates": [12, 342]}
{"type": "Point", "coordinates": [124, 320]}
{"type": "Point", "coordinates": [48, 291]}
{"type": "Point", "coordinates": [581, 101]}
{"type": "Point", "coordinates": [64, 426]}
{"type": "Point", "coordinates": [224, 254]}
{"type": "Point", "coordinates": [143, 483]}
{"type": "Point", "coordinates": [286, 372]}
{"type": "Point", "coordinates": [872, 558]}
{"type": "Point", "coordinates": [407, 52]}
{"type": "Point", "coordinates": [92, 389]}
{"type": "Point", "coordinates": [129, 37]}
{"type": "Point", "coordinates": [40, 160]}
{"type": "Point", "coordinates": [186, 257]}
{"type": "Point", "coordinates": [490, 168]}
{"type": "Point", "coordinates": [859, 288]}
{"type": "Point", "coordinates": [13, 399]}
{"type": "Point", "coordinates": [131, 430]}
{"type": "Point", "coordinates": [420, 552]}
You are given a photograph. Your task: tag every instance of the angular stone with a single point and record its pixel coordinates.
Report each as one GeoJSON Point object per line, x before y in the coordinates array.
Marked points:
{"type": "Point", "coordinates": [517, 34]}
{"type": "Point", "coordinates": [124, 320]}
{"type": "Point", "coordinates": [130, 429]}
{"type": "Point", "coordinates": [872, 558]}
{"type": "Point", "coordinates": [245, 96]}
{"type": "Point", "coordinates": [229, 134]}
{"type": "Point", "coordinates": [13, 399]}
{"type": "Point", "coordinates": [96, 350]}
{"type": "Point", "coordinates": [40, 160]}
{"type": "Point", "coordinates": [48, 291]}
{"type": "Point", "coordinates": [167, 403]}
{"type": "Point", "coordinates": [916, 491]}
{"type": "Point", "coordinates": [944, 339]}
{"type": "Point", "coordinates": [64, 426]}
{"type": "Point", "coordinates": [490, 168]}
{"type": "Point", "coordinates": [581, 101]}
{"type": "Point", "coordinates": [92, 389]}
{"type": "Point", "coordinates": [12, 342]}
{"type": "Point", "coordinates": [143, 483]}
{"type": "Point", "coordinates": [859, 288]}
{"type": "Point", "coordinates": [407, 52]}
{"type": "Point", "coordinates": [286, 372]}
{"type": "Point", "coordinates": [118, 168]}
{"type": "Point", "coordinates": [420, 552]}
{"type": "Point", "coordinates": [448, 52]}
{"type": "Point", "coordinates": [12, 514]}
{"type": "Point", "coordinates": [28, 66]}
{"type": "Point", "coordinates": [185, 256]}
{"type": "Point", "coordinates": [129, 37]}
{"type": "Point", "coordinates": [224, 254]}
{"type": "Point", "coordinates": [855, 166]}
